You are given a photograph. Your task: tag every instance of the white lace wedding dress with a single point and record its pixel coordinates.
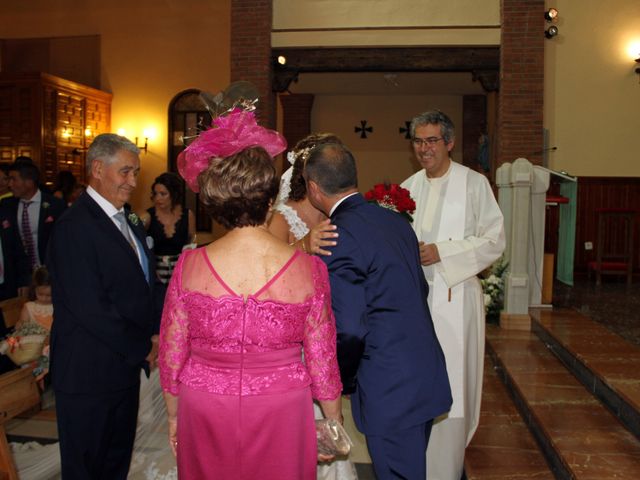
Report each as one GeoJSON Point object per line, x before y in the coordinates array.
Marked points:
{"type": "Point", "coordinates": [342, 469]}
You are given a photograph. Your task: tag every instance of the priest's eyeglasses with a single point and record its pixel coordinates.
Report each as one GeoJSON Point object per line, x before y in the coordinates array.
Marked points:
{"type": "Point", "coordinates": [430, 141]}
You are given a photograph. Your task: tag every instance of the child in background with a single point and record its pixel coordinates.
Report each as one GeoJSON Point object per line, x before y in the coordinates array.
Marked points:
{"type": "Point", "coordinates": [40, 309]}
{"type": "Point", "coordinates": [38, 312]}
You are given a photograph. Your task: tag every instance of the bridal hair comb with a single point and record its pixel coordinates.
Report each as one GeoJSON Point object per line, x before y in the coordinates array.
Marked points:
{"type": "Point", "coordinates": [234, 128]}
{"type": "Point", "coordinates": [293, 155]}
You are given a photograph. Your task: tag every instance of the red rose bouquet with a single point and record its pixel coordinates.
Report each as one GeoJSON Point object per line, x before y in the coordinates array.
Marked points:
{"type": "Point", "coordinates": [393, 197]}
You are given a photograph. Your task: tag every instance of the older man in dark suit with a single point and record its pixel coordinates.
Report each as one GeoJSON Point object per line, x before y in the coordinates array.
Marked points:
{"type": "Point", "coordinates": [33, 210]}
{"type": "Point", "coordinates": [102, 272]}
{"type": "Point", "coordinates": [389, 356]}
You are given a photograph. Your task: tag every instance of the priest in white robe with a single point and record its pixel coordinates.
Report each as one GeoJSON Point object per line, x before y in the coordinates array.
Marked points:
{"type": "Point", "coordinates": [461, 232]}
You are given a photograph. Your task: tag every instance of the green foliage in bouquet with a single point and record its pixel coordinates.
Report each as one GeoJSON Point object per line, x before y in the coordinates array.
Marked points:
{"type": "Point", "coordinates": [493, 289]}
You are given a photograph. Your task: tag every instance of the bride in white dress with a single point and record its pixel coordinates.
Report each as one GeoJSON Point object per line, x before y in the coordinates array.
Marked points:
{"type": "Point", "coordinates": [292, 221]}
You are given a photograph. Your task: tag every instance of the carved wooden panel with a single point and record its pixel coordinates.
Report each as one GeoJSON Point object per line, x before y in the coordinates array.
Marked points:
{"type": "Point", "coordinates": [7, 96]}
{"type": "Point", "coordinates": [70, 121]}
{"type": "Point", "coordinates": [51, 120]}
{"type": "Point", "coordinates": [97, 119]}
{"type": "Point", "coordinates": [26, 131]}
{"type": "Point", "coordinates": [48, 165]}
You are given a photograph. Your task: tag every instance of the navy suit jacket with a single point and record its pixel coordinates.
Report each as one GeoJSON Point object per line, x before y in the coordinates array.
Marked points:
{"type": "Point", "coordinates": [17, 270]}
{"type": "Point", "coordinates": [389, 354]}
{"type": "Point", "coordinates": [103, 304]}
{"type": "Point", "coordinates": [51, 209]}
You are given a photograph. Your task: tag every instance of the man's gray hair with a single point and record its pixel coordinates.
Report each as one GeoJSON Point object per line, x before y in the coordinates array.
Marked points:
{"type": "Point", "coordinates": [105, 147]}
{"type": "Point", "coordinates": [434, 117]}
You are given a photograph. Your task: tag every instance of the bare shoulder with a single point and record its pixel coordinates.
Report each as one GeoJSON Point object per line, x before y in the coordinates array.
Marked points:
{"type": "Point", "coordinates": [278, 226]}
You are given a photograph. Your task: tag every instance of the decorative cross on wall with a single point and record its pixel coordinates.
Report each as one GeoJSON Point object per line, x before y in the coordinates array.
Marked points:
{"type": "Point", "coordinates": [406, 130]}
{"type": "Point", "coordinates": [363, 129]}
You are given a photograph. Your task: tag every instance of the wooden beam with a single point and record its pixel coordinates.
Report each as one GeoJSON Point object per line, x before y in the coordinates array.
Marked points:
{"type": "Point", "coordinates": [431, 59]}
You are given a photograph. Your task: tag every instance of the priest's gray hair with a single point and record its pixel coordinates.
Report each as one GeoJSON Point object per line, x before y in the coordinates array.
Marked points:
{"type": "Point", "coordinates": [434, 117]}
{"type": "Point", "coordinates": [105, 147]}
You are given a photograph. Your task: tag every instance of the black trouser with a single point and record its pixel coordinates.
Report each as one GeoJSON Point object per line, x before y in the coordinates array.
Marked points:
{"type": "Point", "coordinates": [96, 433]}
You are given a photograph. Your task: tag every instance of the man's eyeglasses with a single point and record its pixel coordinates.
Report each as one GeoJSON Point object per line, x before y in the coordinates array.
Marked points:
{"type": "Point", "coordinates": [430, 141]}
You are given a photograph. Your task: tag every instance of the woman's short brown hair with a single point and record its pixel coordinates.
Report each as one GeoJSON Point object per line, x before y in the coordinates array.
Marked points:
{"type": "Point", "coordinates": [237, 191]}
{"type": "Point", "coordinates": [302, 149]}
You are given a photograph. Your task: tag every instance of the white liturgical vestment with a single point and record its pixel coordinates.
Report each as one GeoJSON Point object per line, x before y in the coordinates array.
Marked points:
{"type": "Point", "coordinates": [458, 212]}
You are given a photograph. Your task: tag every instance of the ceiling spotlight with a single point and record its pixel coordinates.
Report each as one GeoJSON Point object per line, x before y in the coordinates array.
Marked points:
{"type": "Point", "coordinates": [551, 15]}
{"type": "Point", "coordinates": [551, 32]}
{"type": "Point", "coordinates": [282, 60]}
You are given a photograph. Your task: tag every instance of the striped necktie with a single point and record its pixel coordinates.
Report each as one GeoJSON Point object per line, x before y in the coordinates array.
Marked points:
{"type": "Point", "coordinates": [27, 236]}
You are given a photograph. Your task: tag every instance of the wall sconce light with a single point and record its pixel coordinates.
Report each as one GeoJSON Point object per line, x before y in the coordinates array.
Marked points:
{"type": "Point", "coordinates": [637, 60]}
{"type": "Point", "coordinates": [142, 147]}
{"type": "Point", "coordinates": [551, 15]}
{"type": "Point", "coordinates": [147, 134]}
{"type": "Point", "coordinates": [551, 32]}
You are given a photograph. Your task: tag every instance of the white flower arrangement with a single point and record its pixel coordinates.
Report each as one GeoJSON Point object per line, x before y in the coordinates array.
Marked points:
{"type": "Point", "coordinates": [493, 288]}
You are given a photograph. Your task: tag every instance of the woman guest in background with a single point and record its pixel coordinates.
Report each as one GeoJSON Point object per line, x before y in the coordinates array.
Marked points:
{"type": "Point", "coordinates": [237, 315]}
{"type": "Point", "coordinates": [169, 224]}
{"type": "Point", "coordinates": [292, 221]}
{"type": "Point", "coordinates": [65, 187]}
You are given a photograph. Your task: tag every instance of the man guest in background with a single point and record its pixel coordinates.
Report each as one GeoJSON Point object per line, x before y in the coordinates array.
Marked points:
{"type": "Point", "coordinates": [33, 210]}
{"type": "Point", "coordinates": [15, 272]}
{"type": "Point", "coordinates": [101, 270]}
{"type": "Point", "coordinates": [461, 232]}
{"type": "Point", "coordinates": [389, 356]}
{"type": "Point", "coordinates": [5, 191]}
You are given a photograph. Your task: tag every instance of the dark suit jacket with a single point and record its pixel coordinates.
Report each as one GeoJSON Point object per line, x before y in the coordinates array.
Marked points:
{"type": "Point", "coordinates": [387, 347]}
{"type": "Point", "coordinates": [103, 304]}
{"type": "Point", "coordinates": [51, 209]}
{"type": "Point", "coordinates": [17, 270]}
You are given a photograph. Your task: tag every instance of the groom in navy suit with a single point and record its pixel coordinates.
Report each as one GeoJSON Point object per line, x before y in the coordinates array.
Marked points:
{"type": "Point", "coordinates": [390, 359]}
{"type": "Point", "coordinates": [102, 278]}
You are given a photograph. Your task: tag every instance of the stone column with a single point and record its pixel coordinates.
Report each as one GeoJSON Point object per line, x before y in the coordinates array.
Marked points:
{"type": "Point", "coordinates": [516, 297]}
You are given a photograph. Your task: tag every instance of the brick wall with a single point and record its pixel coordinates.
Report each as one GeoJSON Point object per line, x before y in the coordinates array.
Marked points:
{"type": "Point", "coordinates": [520, 98]}
{"type": "Point", "coordinates": [296, 116]}
{"type": "Point", "coordinates": [251, 22]}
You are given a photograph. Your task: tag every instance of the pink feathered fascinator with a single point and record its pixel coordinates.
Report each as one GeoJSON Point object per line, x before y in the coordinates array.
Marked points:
{"type": "Point", "coordinates": [231, 133]}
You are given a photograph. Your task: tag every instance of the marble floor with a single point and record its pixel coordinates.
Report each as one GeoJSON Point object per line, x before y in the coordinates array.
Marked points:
{"type": "Point", "coordinates": [614, 304]}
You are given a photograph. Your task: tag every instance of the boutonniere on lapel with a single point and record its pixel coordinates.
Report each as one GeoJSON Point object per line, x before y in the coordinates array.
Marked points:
{"type": "Point", "coordinates": [49, 219]}
{"type": "Point", "coordinates": [6, 224]}
{"type": "Point", "coordinates": [134, 219]}
{"type": "Point", "coordinates": [45, 205]}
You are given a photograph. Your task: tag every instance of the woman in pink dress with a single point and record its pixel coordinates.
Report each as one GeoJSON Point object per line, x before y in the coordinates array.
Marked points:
{"type": "Point", "coordinates": [237, 315]}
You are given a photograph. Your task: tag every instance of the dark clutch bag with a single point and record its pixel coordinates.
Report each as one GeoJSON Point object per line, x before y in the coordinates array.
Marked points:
{"type": "Point", "coordinates": [332, 438]}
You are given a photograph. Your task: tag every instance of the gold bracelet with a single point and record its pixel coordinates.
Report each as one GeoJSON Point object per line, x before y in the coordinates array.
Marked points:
{"type": "Point", "coordinates": [304, 247]}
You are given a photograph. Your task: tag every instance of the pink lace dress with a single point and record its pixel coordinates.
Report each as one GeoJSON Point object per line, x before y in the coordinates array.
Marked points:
{"type": "Point", "coordinates": [244, 393]}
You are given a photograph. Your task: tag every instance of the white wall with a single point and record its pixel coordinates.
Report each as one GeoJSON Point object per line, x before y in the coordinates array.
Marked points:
{"type": "Point", "coordinates": [385, 155]}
